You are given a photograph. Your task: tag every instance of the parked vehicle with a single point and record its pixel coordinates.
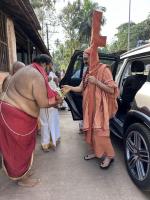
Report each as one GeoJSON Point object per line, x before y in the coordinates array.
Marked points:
{"type": "Point", "coordinates": [131, 123]}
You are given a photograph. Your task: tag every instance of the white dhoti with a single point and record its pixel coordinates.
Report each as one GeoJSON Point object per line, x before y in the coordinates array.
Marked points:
{"type": "Point", "coordinates": [50, 127]}
{"type": "Point", "coordinates": [49, 117]}
{"type": "Point", "coordinates": [54, 124]}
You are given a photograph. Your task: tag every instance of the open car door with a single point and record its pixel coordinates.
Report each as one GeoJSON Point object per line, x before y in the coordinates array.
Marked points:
{"type": "Point", "coordinates": [74, 76]}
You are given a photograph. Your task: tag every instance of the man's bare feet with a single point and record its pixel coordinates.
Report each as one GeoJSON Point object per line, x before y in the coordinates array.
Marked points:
{"type": "Point", "coordinates": [28, 182]}
{"type": "Point", "coordinates": [30, 173]}
{"type": "Point", "coordinates": [45, 147]}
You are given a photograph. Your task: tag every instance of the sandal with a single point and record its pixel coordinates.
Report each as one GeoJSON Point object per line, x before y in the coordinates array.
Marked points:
{"type": "Point", "coordinates": [89, 156]}
{"type": "Point", "coordinates": [105, 164]}
{"type": "Point", "coordinates": [101, 159]}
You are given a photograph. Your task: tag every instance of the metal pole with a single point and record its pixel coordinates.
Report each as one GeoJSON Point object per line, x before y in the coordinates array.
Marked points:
{"type": "Point", "coordinates": [129, 23]}
{"type": "Point", "coordinates": [47, 36]}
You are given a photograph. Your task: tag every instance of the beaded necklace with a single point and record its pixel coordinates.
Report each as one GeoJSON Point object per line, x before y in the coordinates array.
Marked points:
{"type": "Point", "coordinates": [85, 79]}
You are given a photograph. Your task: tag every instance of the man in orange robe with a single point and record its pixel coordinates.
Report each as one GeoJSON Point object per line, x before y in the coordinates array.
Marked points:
{"type": "Point", "coordinates": [99, 98]}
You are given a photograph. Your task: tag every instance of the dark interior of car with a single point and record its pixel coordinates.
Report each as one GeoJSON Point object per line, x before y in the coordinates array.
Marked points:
{"type": "Point", "coordinates": [131, 85]}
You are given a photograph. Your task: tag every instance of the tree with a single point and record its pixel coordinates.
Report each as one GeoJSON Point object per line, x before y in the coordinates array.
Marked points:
{"type": "Point", "coordinates": [64, 52]}
{"type": "Point", "coordinates": [121, 41]}
{"type": "Point", "coordinates": [45, 11]}
{"type": "Point", "coordinates": [70, 19]}
{"type": "Point", "coordinates": [43, 3]}
{"type": "Point", "coordinates": [139, 34]}
{"type": "Point", "coordinates": [76, 20]}
{"type": "Point", "coordinates": [85, 25]}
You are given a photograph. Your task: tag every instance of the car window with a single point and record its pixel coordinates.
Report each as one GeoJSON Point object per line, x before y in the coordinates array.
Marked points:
{"type": "Point", "coordinates": [77, 68]}
{"type": "Point", "coordinates": [108, 62]}
{"type": "Point", "coordinates": [127, 71]}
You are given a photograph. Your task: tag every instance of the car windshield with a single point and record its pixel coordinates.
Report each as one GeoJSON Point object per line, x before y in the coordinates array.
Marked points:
{"type": "Point", "coordinates": [108, 62]}
{"type": "Point", "coordinates": [79, 69]}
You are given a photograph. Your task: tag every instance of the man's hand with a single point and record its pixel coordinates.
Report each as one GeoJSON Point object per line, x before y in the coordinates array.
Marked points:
{"type": "Point", "coordinates": [92, 79]}
{"type": "Point", "coordinates": [53, 102]}
{"type": "Point", "coordinates": [65, 89]}
{"type": "Point", "coordinates": [59, 99]}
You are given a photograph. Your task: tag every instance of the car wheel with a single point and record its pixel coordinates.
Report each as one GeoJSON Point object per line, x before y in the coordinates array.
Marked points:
{"type": "Point", "coordinates": [137, 154]}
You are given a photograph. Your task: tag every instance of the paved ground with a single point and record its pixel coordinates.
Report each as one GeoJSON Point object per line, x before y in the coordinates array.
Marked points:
{"type": "Point", "coordinates": [66, 176]}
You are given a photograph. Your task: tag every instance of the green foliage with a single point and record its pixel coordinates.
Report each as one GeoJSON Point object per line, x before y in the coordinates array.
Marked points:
{"type": "Point", "coordinates": [76, 21]}
{"type": "Point", "coordinates": [64, 52]}
{"type": "Point", "coordinates": [70, 19]}
{"type": "Point", "coordinates": [85, 25]}
{"type": "Point", "coordinates": [45, 11]}
{"type": "Point", "coordinates": [43, 3]}
{"type": "Point", "coordinates": [138, 32]}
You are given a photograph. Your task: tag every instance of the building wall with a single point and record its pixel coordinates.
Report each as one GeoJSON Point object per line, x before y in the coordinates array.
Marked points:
{"type": "Point", "coordinates": [11, 49]}
{"type": "Point", "coordinates": [3, 43]}
{"type": "Point", "coordinates": [11, 39]}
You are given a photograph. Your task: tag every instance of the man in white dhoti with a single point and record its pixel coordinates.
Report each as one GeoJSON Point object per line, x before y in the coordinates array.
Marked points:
{"type": "Point", "coordinates": [49, 117]}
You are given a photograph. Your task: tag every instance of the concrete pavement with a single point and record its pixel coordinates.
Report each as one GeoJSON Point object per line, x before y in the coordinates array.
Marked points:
{"type": "Point", "coordinates": [65, 175]}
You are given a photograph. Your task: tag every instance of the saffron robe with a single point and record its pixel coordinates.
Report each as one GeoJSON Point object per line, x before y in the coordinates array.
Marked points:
{"type": "Point", "coordinates": [98, 106]}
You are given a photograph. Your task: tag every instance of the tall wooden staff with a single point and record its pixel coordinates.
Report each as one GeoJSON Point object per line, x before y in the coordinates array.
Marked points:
{"type": "Point", "coordinates": [96, 39]}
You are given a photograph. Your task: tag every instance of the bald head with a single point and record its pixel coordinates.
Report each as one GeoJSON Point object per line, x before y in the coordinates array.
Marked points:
{"type": "Point", "coordinates": [16, 66]}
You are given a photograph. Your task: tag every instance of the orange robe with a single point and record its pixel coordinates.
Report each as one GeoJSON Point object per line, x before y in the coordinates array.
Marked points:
{"type": "Point", "coordinates": [98, 106]}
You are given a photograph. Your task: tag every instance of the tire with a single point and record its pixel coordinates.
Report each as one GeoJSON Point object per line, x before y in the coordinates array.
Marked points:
{"type": "Point", "coordinates": [137, 154]}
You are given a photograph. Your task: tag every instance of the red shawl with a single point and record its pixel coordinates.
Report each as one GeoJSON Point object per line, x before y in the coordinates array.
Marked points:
{"type": "Point", "coordinates": [50, 93]}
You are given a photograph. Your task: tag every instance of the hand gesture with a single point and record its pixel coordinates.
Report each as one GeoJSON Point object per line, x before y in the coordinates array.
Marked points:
{"type": "Point", "coordinates": [92, 79]}
{"type": "Point", "coordinates": [59, 99]}
{"type": "Point", "coordinates": [53, 102]}
{"type": "Point", "coordinates": [65, 89]}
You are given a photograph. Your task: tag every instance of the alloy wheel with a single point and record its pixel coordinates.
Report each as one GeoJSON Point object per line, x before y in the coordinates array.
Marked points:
{"type": "Point", "coordinates": [137, 155]}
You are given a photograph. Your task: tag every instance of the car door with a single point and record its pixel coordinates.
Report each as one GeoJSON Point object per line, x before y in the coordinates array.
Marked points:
{"type": "Point", "coordinates": [142, 98]}
{"type": "Point", "coordinates": [74, 75]}
{"type": "Point", "coordinates": [129, 97]}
